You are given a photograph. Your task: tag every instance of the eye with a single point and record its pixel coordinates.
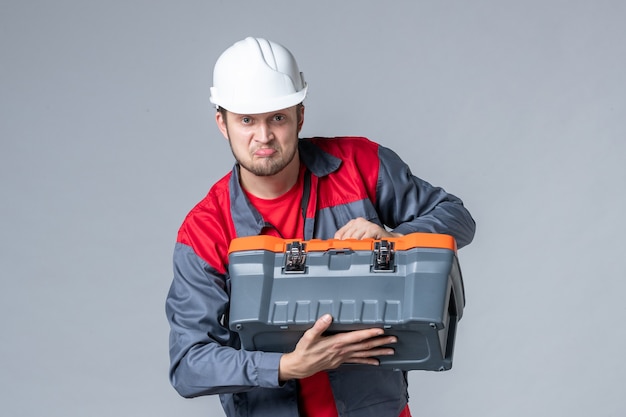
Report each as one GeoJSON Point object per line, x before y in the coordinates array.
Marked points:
{"type": "Point", "coordinates": [246, 120]}
{"type": "Point", "coordinates": [279, 117]}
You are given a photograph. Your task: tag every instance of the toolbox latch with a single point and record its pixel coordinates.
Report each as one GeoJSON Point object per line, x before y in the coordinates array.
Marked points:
{"type": "Point", "coordinates": [295, 258]}
{"type": "Point", "coordinates": [384, 255]}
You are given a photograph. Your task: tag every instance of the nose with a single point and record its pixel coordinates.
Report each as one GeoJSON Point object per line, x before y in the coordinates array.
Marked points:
{"type": "Point", "coordinates": [265, 133]}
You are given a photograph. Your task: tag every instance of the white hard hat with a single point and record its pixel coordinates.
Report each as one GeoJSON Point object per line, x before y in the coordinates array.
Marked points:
{"type": "Point", "coordinates": [257, 76]}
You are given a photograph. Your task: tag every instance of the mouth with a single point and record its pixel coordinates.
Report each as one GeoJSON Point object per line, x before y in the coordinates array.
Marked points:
{"type": "Point", "coordinates": [264, 152]}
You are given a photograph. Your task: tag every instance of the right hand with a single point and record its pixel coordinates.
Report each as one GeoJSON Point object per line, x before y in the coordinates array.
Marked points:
{"type": "Point", "coordinates": [316, 352]}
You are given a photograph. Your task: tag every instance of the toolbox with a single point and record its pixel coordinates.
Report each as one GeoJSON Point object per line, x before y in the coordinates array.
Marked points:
{"type": "Point", "coordinates": [411, 286]}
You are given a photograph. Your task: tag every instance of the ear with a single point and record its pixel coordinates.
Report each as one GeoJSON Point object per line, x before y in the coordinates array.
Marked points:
{"type": "Point", "coordinates": [300, 117]}
{"type": "Point", "coordinates": [221, 124]}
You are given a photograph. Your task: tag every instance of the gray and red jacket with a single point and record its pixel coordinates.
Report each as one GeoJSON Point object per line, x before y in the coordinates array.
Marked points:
{"type": "Point", "coordinates": [349, 177]}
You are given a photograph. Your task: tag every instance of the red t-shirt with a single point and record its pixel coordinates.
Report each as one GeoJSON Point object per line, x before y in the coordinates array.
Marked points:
{"type": "Point", "coordinates": [284, 213]}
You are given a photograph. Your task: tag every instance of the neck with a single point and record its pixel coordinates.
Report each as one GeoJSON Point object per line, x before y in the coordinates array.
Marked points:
{"type": "Point", "coordinates": [271, 186]}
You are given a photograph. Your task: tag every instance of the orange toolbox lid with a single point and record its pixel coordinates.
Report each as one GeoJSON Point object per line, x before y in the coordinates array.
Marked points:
{"type": "Point", "coordinates": [406, 242]}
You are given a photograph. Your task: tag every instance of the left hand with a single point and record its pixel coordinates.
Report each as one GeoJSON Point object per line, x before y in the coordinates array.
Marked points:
{"type": "Point", "coordinates": [360, 228]}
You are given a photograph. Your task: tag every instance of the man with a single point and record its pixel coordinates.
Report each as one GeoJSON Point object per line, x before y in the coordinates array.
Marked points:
{"type": "Point", "coordinates": [292, 188]}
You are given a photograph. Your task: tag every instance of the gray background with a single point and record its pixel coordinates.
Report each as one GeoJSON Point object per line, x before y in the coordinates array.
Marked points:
{"type": "Point", "coordinates": [107, 139]}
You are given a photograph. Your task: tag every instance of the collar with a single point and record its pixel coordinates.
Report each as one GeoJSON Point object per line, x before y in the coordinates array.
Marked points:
{"type": "Point", "coordinates": [320, 163]}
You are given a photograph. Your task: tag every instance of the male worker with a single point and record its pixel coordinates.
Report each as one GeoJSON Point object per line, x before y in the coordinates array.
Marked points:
{"type": "Point", "coordinates": [284, 186]}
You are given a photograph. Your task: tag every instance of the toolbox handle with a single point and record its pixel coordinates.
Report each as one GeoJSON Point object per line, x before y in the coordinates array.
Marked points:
{"type": "Point", "coordinates": [339, 251]}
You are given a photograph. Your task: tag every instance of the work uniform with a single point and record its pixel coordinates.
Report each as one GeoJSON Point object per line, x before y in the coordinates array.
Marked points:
{"type": "Point", "coordinates": [347, 178]}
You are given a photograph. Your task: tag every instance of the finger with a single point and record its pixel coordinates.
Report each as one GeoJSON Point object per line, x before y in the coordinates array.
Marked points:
{"type": "Point", "coordinates": [380, 351]}
{"type": "Point", "coordinates": [364, 361]}
{"type": "Point", "coordinates": [347, 230]}
{"type": "Point", "coordinates": [342, 232]}
{"type": "Point", "coordinates": [320, 326]}
{"type": "Point", "coordinates": [360, 228]}
{"type": "Point", "coordinates": [370, 357]}
{"type": "Point", "coordinates": [375, 343]}
{"type": "Point", "coordinates": [360, 339]}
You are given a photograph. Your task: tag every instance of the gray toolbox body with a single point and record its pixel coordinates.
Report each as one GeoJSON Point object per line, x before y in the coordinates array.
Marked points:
{"type": "Point", "coordinates": [410, 286]}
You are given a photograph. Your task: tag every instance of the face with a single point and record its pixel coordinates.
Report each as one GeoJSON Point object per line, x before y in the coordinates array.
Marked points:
{"type": "Point", "coordinates": [263, 144]}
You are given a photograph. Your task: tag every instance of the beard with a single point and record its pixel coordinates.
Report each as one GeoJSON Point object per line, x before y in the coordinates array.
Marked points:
{"type": "Point", "coordinates": [266, 167]}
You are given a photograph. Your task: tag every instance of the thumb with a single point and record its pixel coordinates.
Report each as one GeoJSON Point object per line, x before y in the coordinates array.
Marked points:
{"type": "Point", "coordinates": [321, 325]}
